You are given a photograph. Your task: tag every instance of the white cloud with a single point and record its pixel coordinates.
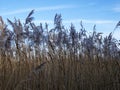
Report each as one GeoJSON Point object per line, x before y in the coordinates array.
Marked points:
{"type": "Point", "coordinates": [43, 21]}
{"type": "Point", "coordinates": [100, 21]}
{"type": "Point", "coordinates": [74, 21]}
{"type": "Point", "coordinates": [116, 9]}
{"type": "Point", "coordinates": [39, 9]}
{"type": "Point", "coordinates": [91, 21]}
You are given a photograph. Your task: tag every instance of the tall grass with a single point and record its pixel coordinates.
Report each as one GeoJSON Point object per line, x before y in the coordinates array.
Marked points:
{"type": "Point", "coordinates": [38, 58]}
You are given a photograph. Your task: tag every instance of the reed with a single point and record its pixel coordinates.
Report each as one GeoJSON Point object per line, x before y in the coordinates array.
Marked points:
{"type": "Point", "coordinates": [36, 58]}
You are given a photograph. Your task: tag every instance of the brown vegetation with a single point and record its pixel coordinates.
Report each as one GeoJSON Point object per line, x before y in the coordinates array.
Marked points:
{"type": "Point", "coordinates": [34, 58]}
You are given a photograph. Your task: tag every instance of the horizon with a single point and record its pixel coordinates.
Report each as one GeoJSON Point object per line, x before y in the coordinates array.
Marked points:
{"type": "Point", "coordinates": [103, 14]}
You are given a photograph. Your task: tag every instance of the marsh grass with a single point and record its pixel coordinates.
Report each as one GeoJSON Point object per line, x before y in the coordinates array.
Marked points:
{"type": "Point", "coordinates": [63, 73]}
{"type": "Point", "coordinates": [58, 59]}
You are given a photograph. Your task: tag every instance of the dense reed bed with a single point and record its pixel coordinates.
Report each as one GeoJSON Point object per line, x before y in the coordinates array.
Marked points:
{"type": "Point", "coordinates": [38, 58]}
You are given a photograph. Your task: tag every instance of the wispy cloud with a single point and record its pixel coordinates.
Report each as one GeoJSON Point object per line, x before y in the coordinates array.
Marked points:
{"type": "Point", "coordinates": [43, 21]}
{"type": "Point", "coordinates": [79, 20]}
{"type": "Point", "coordinates": [100, 21]}
{"type": "Point", "coordinates": [116, 9]}
{"type": "Point", "coordinates": [90, 21]}
{"type": "Point", "coordinates": [48, 8]}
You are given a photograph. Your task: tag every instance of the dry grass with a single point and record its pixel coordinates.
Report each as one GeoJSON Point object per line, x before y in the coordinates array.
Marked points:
{"type": "Point", "coordinates": [63, 73]}
{"type": "Point", "coordinates": [57, 59]}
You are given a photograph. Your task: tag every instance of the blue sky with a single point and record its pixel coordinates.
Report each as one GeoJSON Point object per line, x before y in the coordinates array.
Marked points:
{"type": "Point", "coordinates": [104, 13]}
